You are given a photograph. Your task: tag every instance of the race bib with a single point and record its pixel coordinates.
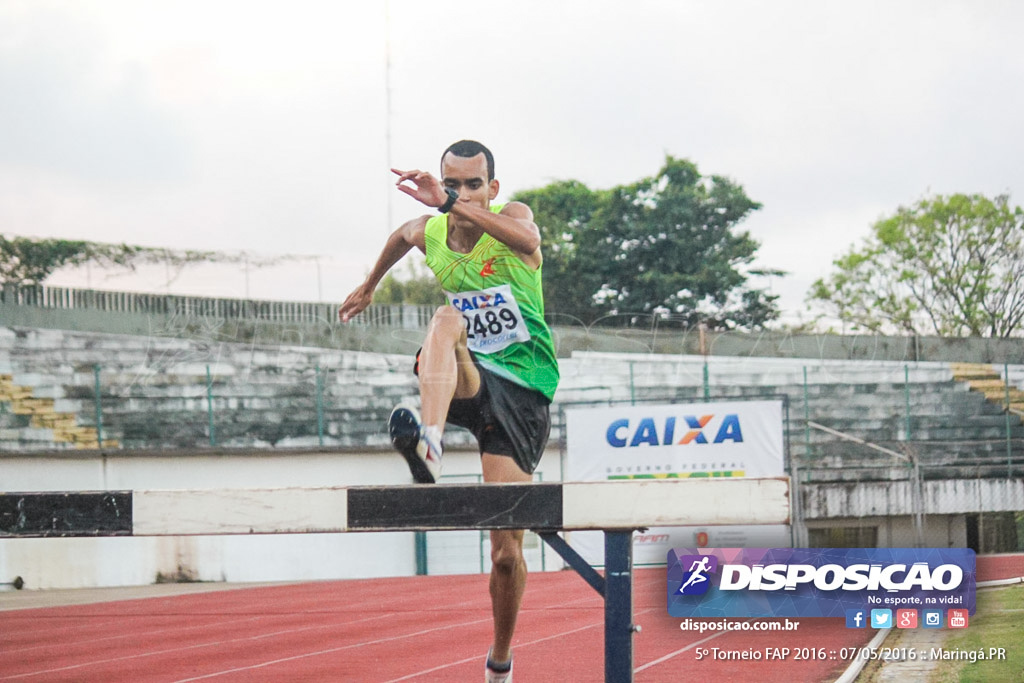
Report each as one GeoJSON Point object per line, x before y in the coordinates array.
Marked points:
{"type": "Point", "coordinates": [493, 319]}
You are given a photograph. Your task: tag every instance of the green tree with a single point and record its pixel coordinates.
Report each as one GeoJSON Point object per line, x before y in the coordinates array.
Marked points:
{"type": "Point", "coordinates": [24, 260]}
{"type": "Point", "coordinates": [417, 287]}
{"type": "Point", "coordinates": [665, 246]}
{"type": "Point", "coordinates": [948, 265]}
{"type": "Point", "coordinates": [564, 211]}
{"type": "Point", "coordinates": [28, 261]}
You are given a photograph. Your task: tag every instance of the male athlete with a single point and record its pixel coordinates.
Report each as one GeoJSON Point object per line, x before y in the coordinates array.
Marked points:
{"type": "Point", "coordinates": [488, 362]}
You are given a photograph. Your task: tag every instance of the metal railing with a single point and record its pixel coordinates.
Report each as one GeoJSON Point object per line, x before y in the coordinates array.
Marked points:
{"type": "Point", "coordinates": [70, 298]}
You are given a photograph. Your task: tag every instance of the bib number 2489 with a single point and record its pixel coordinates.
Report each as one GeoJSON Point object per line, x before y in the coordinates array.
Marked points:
{"type": "Point", "coordinates": [489, 323]}
{"type": "Point", "coordinates": [493, 319]}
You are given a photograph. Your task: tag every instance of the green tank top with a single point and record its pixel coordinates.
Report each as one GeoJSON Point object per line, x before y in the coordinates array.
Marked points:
{"type": "Point", "coordinates": [502, 302]}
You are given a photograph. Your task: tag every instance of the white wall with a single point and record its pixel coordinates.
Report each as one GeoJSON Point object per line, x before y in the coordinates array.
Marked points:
{"type": "Point", "coordinates": [937, 531]}
{"type": "Point", "coordinates": [94, 562]}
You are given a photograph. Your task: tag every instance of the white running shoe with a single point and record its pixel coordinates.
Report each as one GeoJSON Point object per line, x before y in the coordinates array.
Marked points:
{"type": "Point", "coordinates": [492, 676]}
{"type": "Point", "coordinates": [411, 440]}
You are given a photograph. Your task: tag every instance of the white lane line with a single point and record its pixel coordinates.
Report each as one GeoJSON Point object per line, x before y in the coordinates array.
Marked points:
{"type": "Point", "coordinates": [188, 647]}
{"type": "Point", "coordinates": [330, 650]}
{"type": "Point", "coordinates": [479, 658]}
{"type": "Point", "coordinates": [251, 638]}
{"type": "Point", "coordinates": [65, 644]}
{"type": "Point", "coordinates": [370, 603]}
{"type": "Point", "coordinates": [677, 652]}
{"type": "Point", "coordinates": [86, 622]}
{"type": "Point", "coordinates": [518, 646]}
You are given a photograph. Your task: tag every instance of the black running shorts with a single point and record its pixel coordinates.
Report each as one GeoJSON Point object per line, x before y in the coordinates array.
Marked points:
{"type": "Point", "coordinates": [506, 418]}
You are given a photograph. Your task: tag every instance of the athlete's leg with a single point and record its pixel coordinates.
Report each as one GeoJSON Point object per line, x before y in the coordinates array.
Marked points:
{"type": "Point", "coordinates": [508, 568]}
{"type": "Point", "coordinates": [446, 368]}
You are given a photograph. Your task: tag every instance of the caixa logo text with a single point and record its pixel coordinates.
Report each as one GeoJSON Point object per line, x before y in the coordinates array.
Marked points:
{"type": "Point", "coordinates": [830, 577]}
{"type": "Point", "coordinates": [478, 301]}
{"type": "Point", "coordinates": [670, 431]}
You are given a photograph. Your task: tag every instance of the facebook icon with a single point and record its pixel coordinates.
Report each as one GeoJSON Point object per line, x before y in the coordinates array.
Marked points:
{"type": "Point", "coordinates": [856, 618]}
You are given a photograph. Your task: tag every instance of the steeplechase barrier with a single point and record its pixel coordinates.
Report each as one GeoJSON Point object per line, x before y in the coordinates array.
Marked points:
{"type": "Point", "coordinates": [617, 508]}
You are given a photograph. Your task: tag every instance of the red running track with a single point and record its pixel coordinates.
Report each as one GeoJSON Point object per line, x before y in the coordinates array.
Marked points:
{"type": "Point", "coordinates": [434, 628]}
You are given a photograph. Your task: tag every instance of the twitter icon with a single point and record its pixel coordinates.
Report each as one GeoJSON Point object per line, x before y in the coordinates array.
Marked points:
{"type": "Point", "coordinates": [881, 618]}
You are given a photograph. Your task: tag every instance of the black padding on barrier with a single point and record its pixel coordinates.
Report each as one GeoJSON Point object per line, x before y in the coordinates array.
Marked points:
{"type": "Point", "coordinates": [453, 506]}
{"type": "Point", "coordinates": [103, 513]}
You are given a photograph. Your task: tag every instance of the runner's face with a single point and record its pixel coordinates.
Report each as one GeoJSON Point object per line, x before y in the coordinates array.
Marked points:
{"type": "Point", "coordinates": [468, 177]}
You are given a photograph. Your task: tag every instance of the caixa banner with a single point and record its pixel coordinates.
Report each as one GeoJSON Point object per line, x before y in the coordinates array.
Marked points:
{"type": "Point", "coordinates": [677, 441]}
{"type": "Point", "coordinates": [817, 582]}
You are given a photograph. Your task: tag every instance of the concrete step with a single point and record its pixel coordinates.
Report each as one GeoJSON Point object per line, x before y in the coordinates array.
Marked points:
{"type": "Point", "coordinates": [197, 375]}
{"type": "Point", "coordinates": [189, 432]}
{"type": "Point", "coordinates": [973, 371]}
{"type": "Point", "coordinates": [34, 435]}
{"type": "Point", "coordinates": [54, 421]}
{"type": "Point", "coordinates": [918, 425]}
{"type": "Point", "coordinates": [759, 363]}
{"type": "Point", "coordinates": [137, 397]}
{"type": "Point", "coordinates": [922, 390]}
{"type": "Point", "coordinates": [9, 420]}
{"type": "Point", "coordinates": [14, 392]}
{"type": "Point", "coordinates": [995, 382]}
{"type": "Point", "coordinates": [986, 440]}
{"type": "Point", "coordinates": [256, 406]}
{"type": "Point", "coordinates": [102, 348]}
{"type": "Point", "coordinates": [843, 453]}
{"type": "Point", "coordinates": [1000, 394]}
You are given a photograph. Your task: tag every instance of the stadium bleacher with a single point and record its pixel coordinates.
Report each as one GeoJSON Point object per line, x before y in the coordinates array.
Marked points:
{"type": "Point", "coordinates": [157, 392]}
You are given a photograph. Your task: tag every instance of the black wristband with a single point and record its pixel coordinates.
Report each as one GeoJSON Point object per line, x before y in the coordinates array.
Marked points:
{"type": "Point", "coordinates": [453, 197]}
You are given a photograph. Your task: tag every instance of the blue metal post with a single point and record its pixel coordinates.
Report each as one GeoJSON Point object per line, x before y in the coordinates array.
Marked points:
{"type": "Point", "coordinates": [618, 607]}
{"type": "Point", "coordinates": [420, 539]}
{"type": "Point", "coordinates": [616, 586]}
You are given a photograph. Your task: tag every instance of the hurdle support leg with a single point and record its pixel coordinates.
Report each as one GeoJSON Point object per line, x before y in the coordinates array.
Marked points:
{"type": "Point", "coordinates": [616, 587]}
{"type": "Point", "coordinates": [573, 559]}
{"type": "Point", "coordinates": [618, 606]}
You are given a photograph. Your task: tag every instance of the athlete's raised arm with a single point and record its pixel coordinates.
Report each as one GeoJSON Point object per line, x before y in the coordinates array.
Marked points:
{"type": "Point", "coordinates": [399, 243]}
{"type": "Point", "coordinates": [513, 226]}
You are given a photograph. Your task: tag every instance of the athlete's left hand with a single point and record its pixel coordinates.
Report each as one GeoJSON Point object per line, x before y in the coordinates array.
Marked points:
{"type": "Point", "coordinates": [427, 190]}
{"type": "Point", "coordinates": [356, 303]}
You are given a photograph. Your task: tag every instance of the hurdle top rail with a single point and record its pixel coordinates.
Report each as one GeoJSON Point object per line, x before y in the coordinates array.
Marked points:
{"type": "Point", "coordinates": [556, 506]}
{"type": "Point", "coordinates": [617, 508]}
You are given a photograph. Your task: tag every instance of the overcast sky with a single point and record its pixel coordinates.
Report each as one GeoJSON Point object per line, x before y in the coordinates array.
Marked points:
{"type": "Point", "coordinates": [270, 127]}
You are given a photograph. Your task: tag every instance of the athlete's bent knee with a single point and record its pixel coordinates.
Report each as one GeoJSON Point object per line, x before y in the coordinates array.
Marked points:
{"type": "Point", "coordinates": [446, 320]}
{"type": "Point", "coordinates": [505, 557]}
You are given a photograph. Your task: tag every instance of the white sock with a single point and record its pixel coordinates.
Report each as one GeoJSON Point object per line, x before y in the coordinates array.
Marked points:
{"type": "Point", "coordinates": [434, 433]}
